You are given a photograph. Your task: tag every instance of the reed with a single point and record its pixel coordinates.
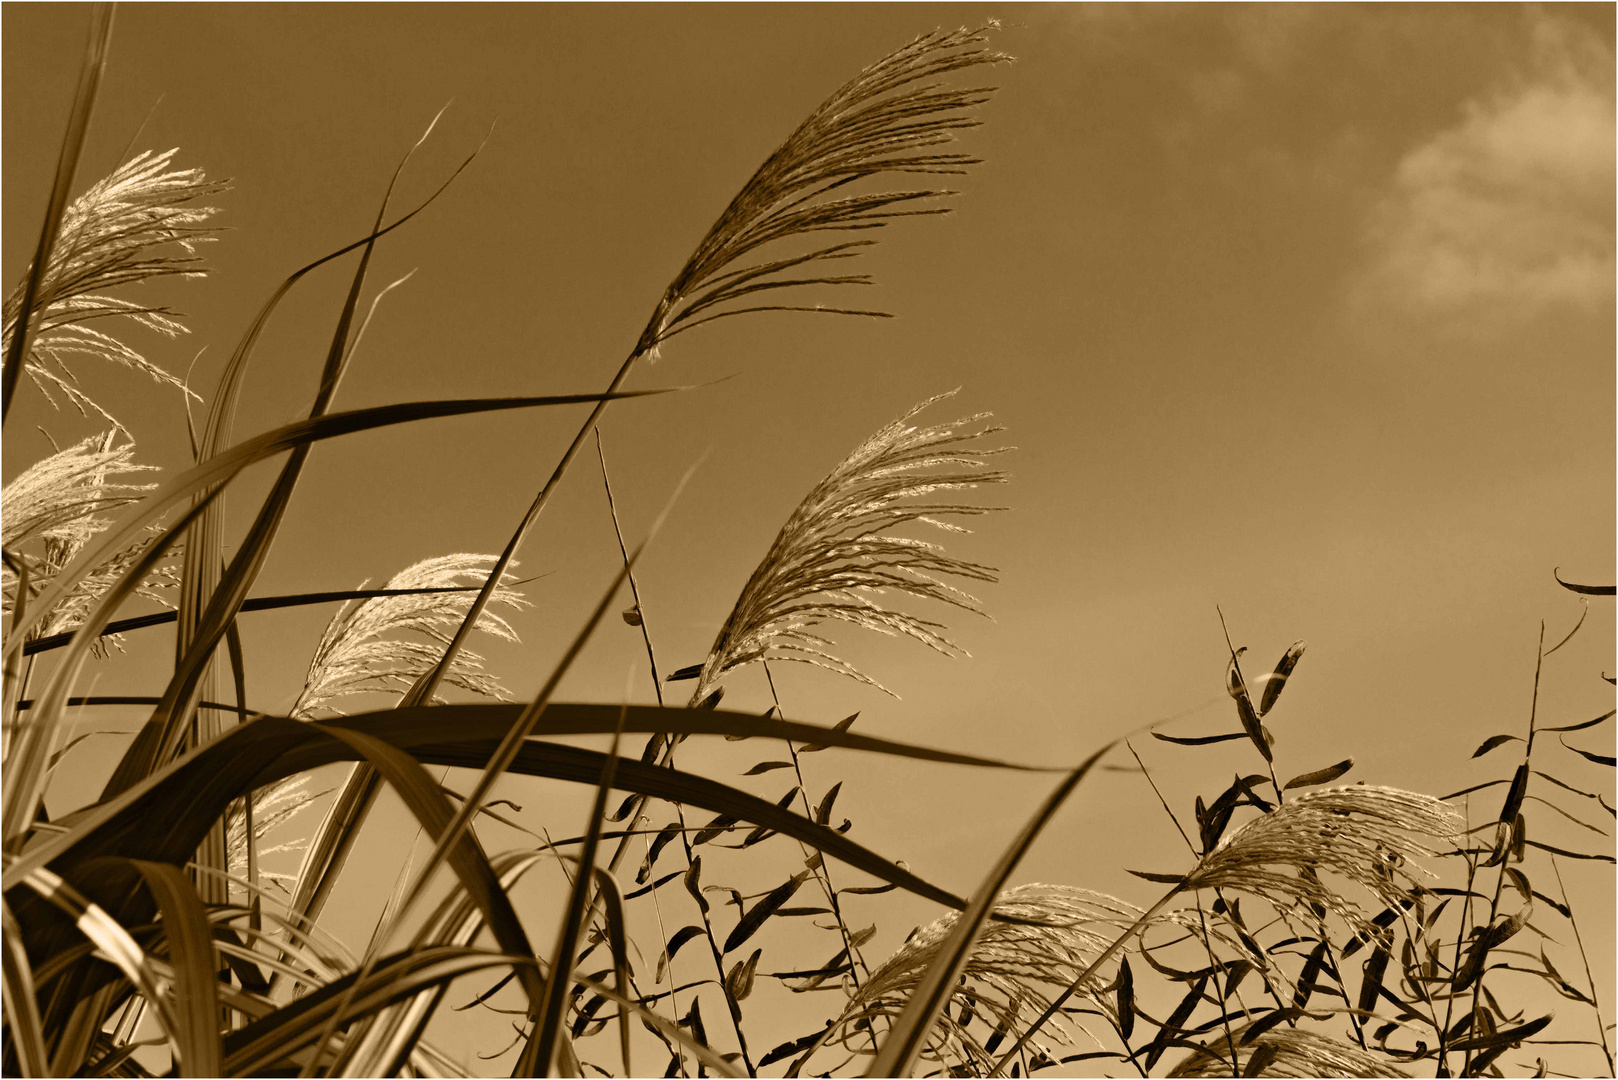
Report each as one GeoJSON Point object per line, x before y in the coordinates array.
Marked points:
{"type": "Point", "coordinates": [1316, 927]}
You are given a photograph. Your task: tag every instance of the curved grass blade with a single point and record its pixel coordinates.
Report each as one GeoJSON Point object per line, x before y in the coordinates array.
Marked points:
{"type": "Point", "coordinates": [462, 852]}
{"type": "Point", "coordinates": [269, 748]}
{"type": "Point", "coordinates": [909, 1033]}
{"type": "Point", "coordinates": [292, 1029]}
{"type": "Point", "coordinates": [1276, 681]}
{"type": "Point", "coordinates": [191, 955]}
{"type": "Point", "coordinates": [209, 601]}
{"type": "Point", "coordinates": [1320, 776]}
{"type": "Point", "coordinates": [256, 603]}
{"type": "Point", "coordinates": [1587, 590]}
{"type": "Point", "coordinates": [225, 466]}
{"type": "Point", "coordinates": [111, 939]}
{"type": "Point", "coordinates": [78, 124]}
{"type": "Point", "coordinates": [1199, 740]}
{"type": "Point", "coordinates": [540, 1052]}
{"type": "Point", "coordinates": [25, 1030]}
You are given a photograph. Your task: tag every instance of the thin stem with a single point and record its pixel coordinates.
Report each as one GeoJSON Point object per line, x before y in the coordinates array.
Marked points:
{"type": "Point", "coordinates": [685, 839]}
{"type": "Point", "coordinates": [657, 689]}
{"type": "Point", "coordinates": [634, 588]}
{"type": "Point", "coordinates": [1509, 827]}
{"type": "Point", "coordinates": [1601, 1027]}
{"type": "Point", "coordinates": [1213, 970]}
{"type": "Point", "coordinates": [822, 872]}
{"type": "Point", "coordinates": [1280, 796]}
{"type": "Point", "coordinates": [731, 1008]}
{"type": "Point", "coordinates": [1144, 772]}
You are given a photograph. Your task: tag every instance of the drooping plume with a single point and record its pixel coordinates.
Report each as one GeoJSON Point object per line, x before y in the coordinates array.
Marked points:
{"type": "Point", "coordinates": [838, 557]}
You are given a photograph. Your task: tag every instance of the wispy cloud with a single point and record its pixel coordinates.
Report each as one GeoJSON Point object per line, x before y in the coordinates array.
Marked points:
{"type": "Point", "coordinates": [1510, 211]}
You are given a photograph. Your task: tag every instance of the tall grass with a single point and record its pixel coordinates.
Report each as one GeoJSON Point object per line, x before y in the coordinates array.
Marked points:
{"type": "Point", "coordinates": [1314, 927]}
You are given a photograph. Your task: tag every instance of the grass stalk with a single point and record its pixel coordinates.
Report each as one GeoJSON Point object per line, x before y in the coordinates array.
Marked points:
{"type": "Point", "coordinates": [1595, 1001]}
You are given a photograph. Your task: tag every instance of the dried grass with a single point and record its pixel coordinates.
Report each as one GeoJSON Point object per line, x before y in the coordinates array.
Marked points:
{"type": "Point", "coordinates": [361, 652]}
{"type": "Point", "coordinates": [118, 233]}
{"type": "Point", "coordinates": [60, 503]}
{"type": "Point", "coordinates": [837, 557]}
{"type": "Point", "coordinates": [1043, 936]}
{"type": "Point", "coordinates": [1374, 836]}
{"type": "Point", "coordinates": [1289, 1052]}
{"type": "Point", "coordinates": [890, 118]}
{"type": "Point", "coordinates": [273, 807]}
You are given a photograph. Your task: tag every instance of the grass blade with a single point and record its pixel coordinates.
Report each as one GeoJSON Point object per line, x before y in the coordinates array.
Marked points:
{"type": "Point", "coordinates": [542, 1056]}
{"type": "Point", "coordinates": [192, 956]}
{"type": "Point", "coordinates": [22, 1007]}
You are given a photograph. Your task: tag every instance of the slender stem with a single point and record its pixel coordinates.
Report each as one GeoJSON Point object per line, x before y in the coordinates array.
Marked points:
{"type": "Point", "coordinates": [685, 839]}
{"type": "Point", "coordinates": [1508, 828]}
{"type": "Point", "coordinates": [1214, 965]}
{"type": "Point", "coordinates": [1146, 773]}
{"type": "Point", "coordinates": [1595, 1002]}
{"type": "Point", "coordinates": [657, 689]}
{"type": "Point", "coordinates": [1460, 938]}
{"type": "Point", "coordinates": [731, 1008]}
{"type": "Point", "coordinates": [1280, 796]}
{"type": "Point", "coordinates": [822, 872]}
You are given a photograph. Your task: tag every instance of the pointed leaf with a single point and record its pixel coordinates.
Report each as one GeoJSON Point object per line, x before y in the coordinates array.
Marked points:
{"type": "Point", "coordinates": [1494, 741]}
{"type": "Point", "coordinates": [1277, 679]}
{"type": "Point", "coordinates": [1321, 776]}
{"type": "Point", "coordinates": [749, 923]}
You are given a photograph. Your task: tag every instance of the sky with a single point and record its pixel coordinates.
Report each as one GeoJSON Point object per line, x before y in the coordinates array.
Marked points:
{"type": "Point", "coordinates": [1302, 314]}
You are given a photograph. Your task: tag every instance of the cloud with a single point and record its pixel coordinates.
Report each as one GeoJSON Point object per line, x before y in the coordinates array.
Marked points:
{"type": "Point", "coordinates": [1510, 211]}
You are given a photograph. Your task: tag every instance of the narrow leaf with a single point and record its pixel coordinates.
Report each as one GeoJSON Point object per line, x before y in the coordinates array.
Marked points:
{"type": "Point", "coordinates": [1321, 776]}
{"type": "Point", "coordinates": [1277, 680]}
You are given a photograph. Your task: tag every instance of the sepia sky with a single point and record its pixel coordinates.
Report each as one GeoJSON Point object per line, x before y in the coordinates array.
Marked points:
{"type": "Point", "coordinates": [1304, 314]}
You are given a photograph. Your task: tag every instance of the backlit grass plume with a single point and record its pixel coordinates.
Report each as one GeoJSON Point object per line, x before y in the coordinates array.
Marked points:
{"type": "Point", "coordinates": [273, 807]}
{"type": "Point", "coordinates": [136, 224]}
{"type": "Point", "coordinates": [1285, 1051]}
{"type": "Point", "coordinates": [363, 652]}
{"type": "Point", "coordinates": [1369, 835]}
{"type": "Point", "coordinates": [58, 505]}
{"type": "Point", "coordinates": [838, 556]}
{"type": "Point", "coordinates": [1047, 936]}
{"type": "Point", "coordinates": [890, 118]}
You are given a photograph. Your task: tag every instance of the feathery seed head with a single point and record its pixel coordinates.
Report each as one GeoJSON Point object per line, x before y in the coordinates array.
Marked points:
{"type": "Point", "coordinates": [60, 503]}
{"type": "Point", "coordinates": [890, 118]}
{"type": "Point", "coordinates": [1371, 835]}
{"type": "Point", "coordinates": [1290, 1052]}
{"type": "Point", "coordinates": [115, 234]}
{"type": "Point", "coordinates": [273, 806]}
{"type": "Point", "coordinates": [837, 553]}
{"type": "Point", "coordinates": [361, 654]}
{"type": "Point", "coordinates": [1047, 936]}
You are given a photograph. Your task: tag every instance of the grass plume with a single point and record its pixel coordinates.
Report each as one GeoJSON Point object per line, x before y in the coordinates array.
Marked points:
{"type": "Point", "coordinates": [363, 652]}
{"type": "Point", "coordinates": [1370, 835]}
{"type": "Point", "coordinates": [890, 118]}
{"type": "Point", "coordinates": [60, 504]}
{"type": "Point", "coordinates": [837, 555]}
{"type": "Point", "coordinates": [139, 223]}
